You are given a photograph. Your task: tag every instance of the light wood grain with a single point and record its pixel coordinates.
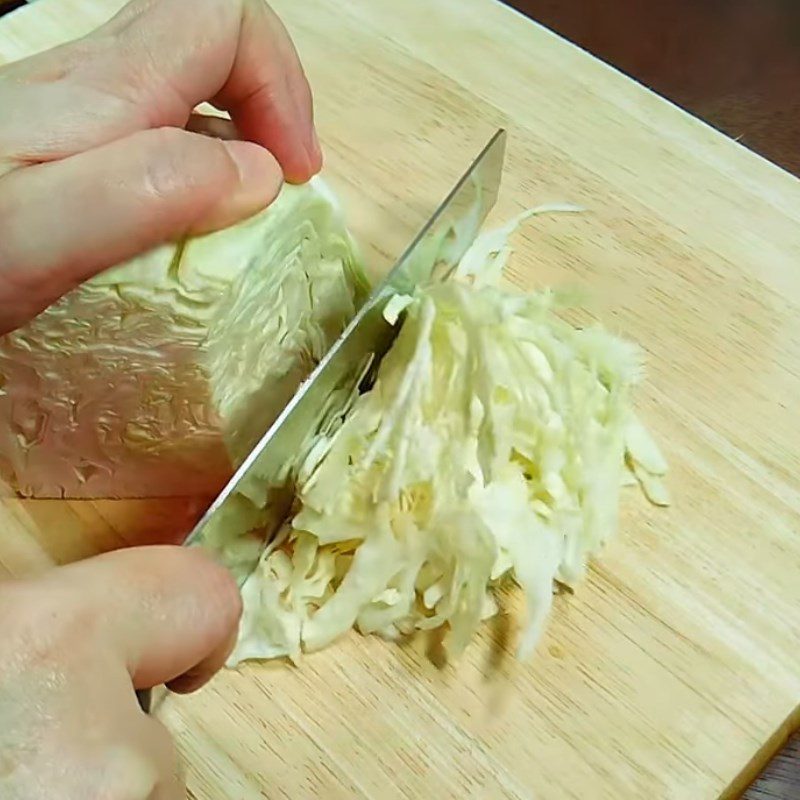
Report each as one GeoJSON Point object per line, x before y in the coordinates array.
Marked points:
{"type": "Point", "coordinates": [672, 672]}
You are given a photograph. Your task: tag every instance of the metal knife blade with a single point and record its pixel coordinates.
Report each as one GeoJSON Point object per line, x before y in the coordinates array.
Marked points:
{"type": "Point", "coordinates": [258, 498]}
{"type": "Point", "coordinates": [260, 491]}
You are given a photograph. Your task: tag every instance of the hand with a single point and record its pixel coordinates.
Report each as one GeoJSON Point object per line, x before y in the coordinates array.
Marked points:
{"type": "Point", "coordinates": [76, 642]}
{"type": "Point", "coordinates": [100, 154]}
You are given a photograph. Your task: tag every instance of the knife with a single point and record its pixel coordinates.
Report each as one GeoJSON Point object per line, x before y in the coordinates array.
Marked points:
{"type": "Point", "coordinates": [258, 498]}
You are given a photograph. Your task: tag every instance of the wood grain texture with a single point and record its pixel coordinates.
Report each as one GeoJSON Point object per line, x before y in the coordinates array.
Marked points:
{"type": "Point", "coordinates": [672, 672]}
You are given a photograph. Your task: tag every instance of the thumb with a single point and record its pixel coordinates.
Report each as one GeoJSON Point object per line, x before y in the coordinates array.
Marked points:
{"type": "Point", "coordinates": [169, 613]}
{"type": "Point", "coordinates": [63, 221]}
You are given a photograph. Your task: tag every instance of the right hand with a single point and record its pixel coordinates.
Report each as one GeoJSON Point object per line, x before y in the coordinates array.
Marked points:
{"type": "Point", "coordinates": [75, 644]}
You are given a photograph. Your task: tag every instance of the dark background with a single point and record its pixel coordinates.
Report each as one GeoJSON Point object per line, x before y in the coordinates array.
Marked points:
{"type": "Point", "coordinates": [8, 5]}
{"type": "Point", "coordinates": [733, 63]}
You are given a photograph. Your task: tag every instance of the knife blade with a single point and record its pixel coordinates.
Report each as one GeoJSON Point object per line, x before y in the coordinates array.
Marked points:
{"type": "Point", "coordinates": [257, 500]}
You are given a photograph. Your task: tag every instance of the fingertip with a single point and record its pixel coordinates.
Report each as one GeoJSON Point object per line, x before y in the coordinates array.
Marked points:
{"type": "Point", "coordinates": [201, 673]}
{"type": "Point", "coordinates": [305, 160]}
{"type": "Point", "coordinates": [164, 609]}
{"type": "Point", "coordinates": [317, 158]}
{"type": "Point", "coordinates": [219, 587]}
{"type": "Point", "coordinates": [259, 171]}
{"type": "Point", "coordinates": [299, 169]}
{"type": "Point", "coordinates": [260, 179]}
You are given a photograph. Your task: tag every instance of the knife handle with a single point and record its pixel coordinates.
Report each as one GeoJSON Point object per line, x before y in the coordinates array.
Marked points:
{"type": "Point", "coordinates": [145, 697]}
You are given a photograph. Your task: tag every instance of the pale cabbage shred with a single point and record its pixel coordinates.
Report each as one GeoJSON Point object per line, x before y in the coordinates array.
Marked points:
{"type": "Point", "coordinates": [494, 443]}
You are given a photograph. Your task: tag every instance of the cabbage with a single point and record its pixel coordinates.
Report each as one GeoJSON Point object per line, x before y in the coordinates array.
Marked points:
{"type": "Point", "coordinates": [492, 445]}
{"type": "Point", "coordinates": [157, 376]}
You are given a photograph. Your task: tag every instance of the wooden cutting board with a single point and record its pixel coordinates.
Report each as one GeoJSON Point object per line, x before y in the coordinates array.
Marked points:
{"type": "Point", "coordinates": [673, 671]}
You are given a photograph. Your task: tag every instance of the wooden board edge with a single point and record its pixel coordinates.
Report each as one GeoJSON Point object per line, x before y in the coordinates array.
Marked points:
{"type": "Point", "coordinates": [763, 756]}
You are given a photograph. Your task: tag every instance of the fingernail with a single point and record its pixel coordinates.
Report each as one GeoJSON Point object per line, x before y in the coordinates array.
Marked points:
{"type": "Point", "coordinates": [188, 682]}
{"type": "Point", "coordinates": [260, 181]}
{"type": "Point", "coordinates": [316, 152]}
{"type": "Point", "coordinates": [260, 175]}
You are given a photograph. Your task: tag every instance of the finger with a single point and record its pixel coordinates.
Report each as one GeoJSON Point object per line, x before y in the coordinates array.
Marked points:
{"type": "Point", "coordinates": [132, 757]}
{"type": "Point", "coordinates": [164, 610]}
{"type": "Point", "coordinates": [262, 86]}
{"type": "Point", "coordinates": [209, 125]}
{"type": "Point", "coordinates": [201, 673]}
{"type": "Point", "coordinates": [158, 747]}
{"type": "Point", "coordinates": [62, 222]}
{"type": "Point", "coordinates": [149, 67]}
{"type": "Point", "coordinates": [137, 760]}
{"type": "Point", "coordinates": [268, 94]}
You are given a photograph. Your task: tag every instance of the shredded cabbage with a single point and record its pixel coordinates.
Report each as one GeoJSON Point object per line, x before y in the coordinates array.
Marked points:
{"type": "Point", "coordinates": [493, 444]}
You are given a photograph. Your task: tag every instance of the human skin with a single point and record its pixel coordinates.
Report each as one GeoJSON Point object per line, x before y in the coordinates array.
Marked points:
{"type": "Point", "coordinates": [103, 157]}
{"type": "Point", "coordinates": [96, 164]}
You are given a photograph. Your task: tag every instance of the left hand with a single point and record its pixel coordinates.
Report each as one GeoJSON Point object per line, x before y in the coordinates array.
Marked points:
{"type": "Point", "coordinates": [99, 154]}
